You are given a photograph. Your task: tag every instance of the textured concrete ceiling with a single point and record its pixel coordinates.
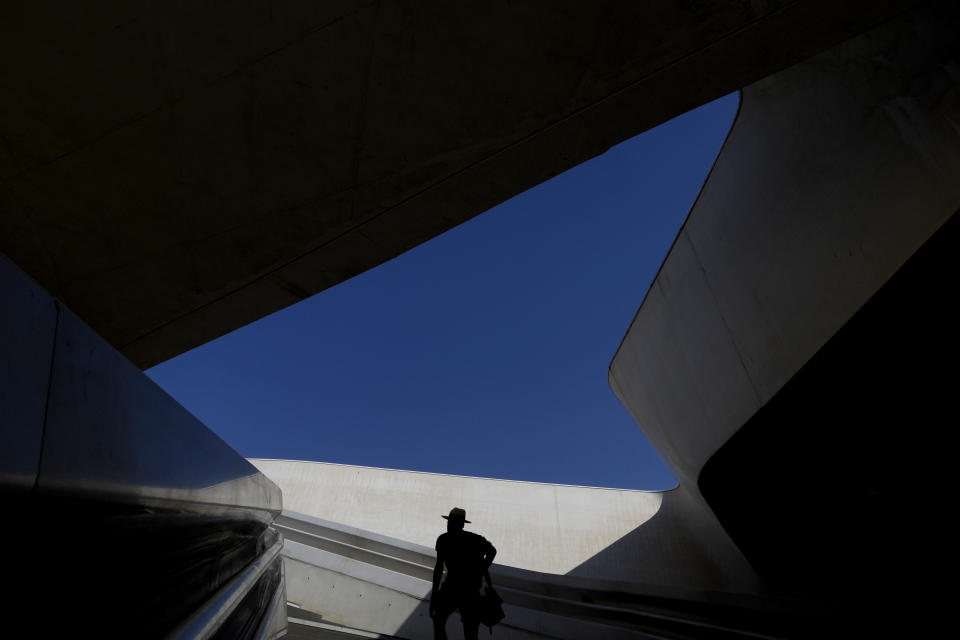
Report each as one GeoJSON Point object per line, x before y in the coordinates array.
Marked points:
{"type": "Point", "coordinates": [175, 170]}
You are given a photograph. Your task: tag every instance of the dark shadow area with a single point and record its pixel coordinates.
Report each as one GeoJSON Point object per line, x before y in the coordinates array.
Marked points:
{"type": "Point", "coordinates": [124, 570]}
{"type": "Point", "coordinates": [828, 489]}
{"type": "Point", "coordinates": [420, 625]}
{"type": "Point", "coordinates": [618, 560]}
{"type": "Point", "coordinates": [674, 610]}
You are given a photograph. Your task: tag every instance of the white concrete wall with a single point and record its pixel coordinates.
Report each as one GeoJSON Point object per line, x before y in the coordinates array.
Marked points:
{"type": "Point", "coordinates": [651, 537]}
{"type": "Point", "coordinates": [835, 172]}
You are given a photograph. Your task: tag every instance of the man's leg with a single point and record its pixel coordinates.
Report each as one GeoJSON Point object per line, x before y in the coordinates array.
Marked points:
{"type": "Point", "coordinates": [439, 626]}
{"type": "Point", "coordinates": [471, 629]}
{"type": "Point", "coordinates": [440, 616]}
{"type": "Point", "coordinates": [470, 616]}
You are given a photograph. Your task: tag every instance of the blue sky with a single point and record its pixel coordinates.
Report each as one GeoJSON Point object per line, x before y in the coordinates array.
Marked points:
{"type": "Point", "coordinates": [482, 352]}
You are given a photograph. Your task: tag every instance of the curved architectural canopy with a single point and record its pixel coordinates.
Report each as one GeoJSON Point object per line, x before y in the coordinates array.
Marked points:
{"type": "Point", "coordinates": [172, 171]}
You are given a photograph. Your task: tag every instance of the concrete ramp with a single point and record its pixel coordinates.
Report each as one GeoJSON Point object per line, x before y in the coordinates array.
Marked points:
{"type": "Point", "coordinates": [346, 582]}
{"type": "Point", "coordinates": [304, 625]}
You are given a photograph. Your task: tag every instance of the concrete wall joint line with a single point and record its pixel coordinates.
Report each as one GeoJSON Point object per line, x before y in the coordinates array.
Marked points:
{"type": "Point", "coordinates": [212, 83]}
{"type": "Point", "coordinates": [389, 562]}
{"type": "Point", "coordinates": [726, 325]}
{"type": "Point", "coordinates": [46, 404]}
{"type": "Point", "coordinates": [556, 516]}
{"type": "Point", "coordinates": [363, 110]}
{"type": "Point", "coordinates": [345, 573]}
{"type": "Point", "coordinates": [681, 231]}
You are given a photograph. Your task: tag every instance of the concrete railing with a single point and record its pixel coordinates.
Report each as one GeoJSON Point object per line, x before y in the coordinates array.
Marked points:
{"type": "Point", "coordinates": [139, 520]}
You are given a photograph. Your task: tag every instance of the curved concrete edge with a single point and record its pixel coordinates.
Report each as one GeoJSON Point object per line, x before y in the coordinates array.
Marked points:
{"type": "Point", "coordinates": [537, 526]}
{"type": "Point", "coordinates": [176, 253]}
{"type": "Point", "coordinates": [800, 222]}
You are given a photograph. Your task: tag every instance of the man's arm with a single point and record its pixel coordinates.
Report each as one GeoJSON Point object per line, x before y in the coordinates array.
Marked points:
{"type": "Point", "coordinates": [488, 555]}
{"type": "Point", "coordinates": [437, 574]}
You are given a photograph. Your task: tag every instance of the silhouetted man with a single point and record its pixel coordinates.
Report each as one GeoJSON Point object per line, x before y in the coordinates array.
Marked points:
{"type": "Point", "coordinates": [467, 556]}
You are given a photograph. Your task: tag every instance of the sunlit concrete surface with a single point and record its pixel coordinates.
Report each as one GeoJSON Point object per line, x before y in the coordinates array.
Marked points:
{"type": "Point", "coordinates": [173, 171]}
{"type": "Point", "coordinates": [616, 534]}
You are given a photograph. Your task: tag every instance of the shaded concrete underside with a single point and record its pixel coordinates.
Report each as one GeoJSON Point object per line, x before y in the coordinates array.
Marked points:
{"type": "Point", "coordinates": [174, 172]}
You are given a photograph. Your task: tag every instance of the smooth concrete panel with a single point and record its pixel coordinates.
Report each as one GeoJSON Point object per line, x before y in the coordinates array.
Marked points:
{"type": "Point", "coordinates": [28, 318]}
{"type": "Point", "coordinates": [835, 172]}
{"type": "Point", "coordinates": [520, 518]}
{"type": "Point", "coordinates": [88, 440]}
{"type": "Point", "coordinates": [661, 538]}
{"type": "Point", "coordinates": [673, 377]}
{"type": "Point", "coordinates": [113, 433]}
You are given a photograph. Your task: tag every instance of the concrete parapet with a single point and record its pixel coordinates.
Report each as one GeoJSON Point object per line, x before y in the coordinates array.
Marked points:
{"type": "Point", "coordinates": [118, 488]}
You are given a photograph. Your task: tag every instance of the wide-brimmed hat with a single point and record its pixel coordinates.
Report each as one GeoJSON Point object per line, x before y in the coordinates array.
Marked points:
{"type": "Point", "coordinates": [457, 514]}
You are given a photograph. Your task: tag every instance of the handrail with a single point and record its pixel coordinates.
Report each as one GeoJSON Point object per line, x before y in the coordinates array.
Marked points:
{"type": "Point", "coordinates": [274, 619]}
{"type": "Point", "coordinates": [208, 618]}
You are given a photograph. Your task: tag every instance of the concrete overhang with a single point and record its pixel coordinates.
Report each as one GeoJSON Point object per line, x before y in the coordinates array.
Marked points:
{"type": "Point", "coordinates": [174, 171]}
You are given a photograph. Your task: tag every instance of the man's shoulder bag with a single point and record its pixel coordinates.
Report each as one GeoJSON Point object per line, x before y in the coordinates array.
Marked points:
{"type": "Point", "coordinates": [491, 609]}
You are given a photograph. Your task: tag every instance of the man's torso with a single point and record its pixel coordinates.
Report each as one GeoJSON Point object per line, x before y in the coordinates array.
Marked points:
{"type": "Point", "coordinates": [463, 555]}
